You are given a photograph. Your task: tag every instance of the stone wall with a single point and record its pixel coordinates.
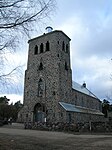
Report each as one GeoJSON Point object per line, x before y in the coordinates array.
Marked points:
{"type": "Point", "coordinates": [81, 99]}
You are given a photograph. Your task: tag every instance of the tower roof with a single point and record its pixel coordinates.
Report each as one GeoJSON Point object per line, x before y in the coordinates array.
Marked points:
{"type": "Point", "coordinates": [46, 34]}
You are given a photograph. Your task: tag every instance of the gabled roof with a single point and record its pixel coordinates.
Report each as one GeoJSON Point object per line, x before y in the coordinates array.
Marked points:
{"type": "Point", "coordinates": [78, 109]}
{"type": "Point", "coordinates": [82, 89]}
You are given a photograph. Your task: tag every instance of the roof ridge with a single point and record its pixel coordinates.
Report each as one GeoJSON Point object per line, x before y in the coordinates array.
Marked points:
{"type": "Point", "coordinates": [85, 90]}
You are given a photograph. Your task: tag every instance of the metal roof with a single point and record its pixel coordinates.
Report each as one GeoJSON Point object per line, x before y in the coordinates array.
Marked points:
{"type": "Point", "coordinates": [73, 108]}
{"type": "Point", "coordinates": [69, 107]}
{"type": "Point", "coordinates": [82, 89]}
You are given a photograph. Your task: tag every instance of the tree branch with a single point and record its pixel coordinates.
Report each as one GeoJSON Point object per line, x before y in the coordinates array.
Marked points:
{"type": "Point", "coordinates": [10, 73]}
{"type": "Point", "coordinates": [10, 5]}
{"type": "Point", "coordinates": [17, 23]}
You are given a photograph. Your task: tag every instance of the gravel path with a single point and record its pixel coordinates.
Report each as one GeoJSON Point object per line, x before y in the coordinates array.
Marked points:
{"type": "Point", "coordinates": [15, 137]}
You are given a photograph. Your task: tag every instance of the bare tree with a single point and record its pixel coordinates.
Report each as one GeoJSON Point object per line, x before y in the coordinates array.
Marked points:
{"type": "Point", "coordinates": [17, 19]}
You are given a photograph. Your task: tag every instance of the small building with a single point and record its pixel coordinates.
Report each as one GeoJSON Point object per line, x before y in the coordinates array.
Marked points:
{"type": "Point", "coordinates": [50, 95]}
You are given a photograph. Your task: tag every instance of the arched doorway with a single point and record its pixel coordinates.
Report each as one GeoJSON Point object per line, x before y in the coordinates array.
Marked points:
{"type": "Point", "coordinates": [39, 113]}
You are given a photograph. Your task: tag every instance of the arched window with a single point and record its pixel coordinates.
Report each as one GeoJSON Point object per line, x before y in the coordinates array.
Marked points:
{"type": "Point", "coordinates": [40, 88]}
{"type": "Point", "coordinates": [41, 48]}
{"type": "Point", "coordinates": [36, 50]}
{"type": "Point", "coordinates": [69, 118]}
{"type": "Point", "coordinates": [67, 48]}
{"type": "Point", "coordinates": [66, 67]}
{"type": "Point", "coordinates": [63, 46]}
{"type": "Point", "coordinates": [41, 66]}
{"type": "Point", "coordinates": [47, 46]}
{"type": "Point", "coordinates": [82, 102]}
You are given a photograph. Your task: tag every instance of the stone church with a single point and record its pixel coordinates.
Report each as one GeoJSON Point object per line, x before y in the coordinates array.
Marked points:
{"type": "Point", "coordinates": [50, 95]}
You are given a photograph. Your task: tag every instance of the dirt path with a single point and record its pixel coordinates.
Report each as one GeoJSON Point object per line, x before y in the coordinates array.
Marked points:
{"type": "Point", "coordinates": [16, 138]}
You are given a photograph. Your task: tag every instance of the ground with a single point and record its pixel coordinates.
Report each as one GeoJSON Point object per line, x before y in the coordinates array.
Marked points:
{"type": "Point", "coordinates": [15, 137]}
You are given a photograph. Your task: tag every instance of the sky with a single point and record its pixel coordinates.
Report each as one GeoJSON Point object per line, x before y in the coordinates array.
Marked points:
{"type": "Point", "coordinates": [88, 23]}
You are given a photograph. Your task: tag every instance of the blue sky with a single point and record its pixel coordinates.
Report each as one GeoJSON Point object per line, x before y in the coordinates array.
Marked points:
{"type": "Point", "coordinates": [89, 25]}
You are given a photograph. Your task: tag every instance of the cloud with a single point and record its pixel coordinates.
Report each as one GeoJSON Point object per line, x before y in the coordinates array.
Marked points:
{"type": "Point", "coordinates": [89, 25]}
{"type": "Point", "coordinates": [14, 69]}
{"type": "Point", "coordinates": [95, 72]}
{"type": "Point", "coordinates": [87, 41]}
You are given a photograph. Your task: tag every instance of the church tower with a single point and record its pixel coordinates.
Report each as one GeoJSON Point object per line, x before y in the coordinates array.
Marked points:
{"type": "Point", "coordinates": [48, 78]}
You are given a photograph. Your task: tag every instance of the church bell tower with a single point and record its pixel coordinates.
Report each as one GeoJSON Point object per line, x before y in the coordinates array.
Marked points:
{"type": "Point", "coordinates": [48, 78]}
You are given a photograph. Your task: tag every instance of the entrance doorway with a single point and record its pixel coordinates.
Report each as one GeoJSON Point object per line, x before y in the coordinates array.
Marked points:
{"type": "Point", "coordinates": [39, 113]}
